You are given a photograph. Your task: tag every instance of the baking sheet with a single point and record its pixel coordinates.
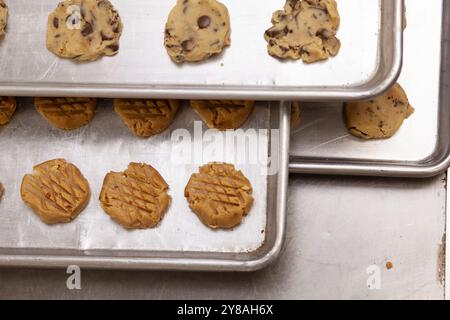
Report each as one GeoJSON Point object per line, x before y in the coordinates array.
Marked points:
{"type": "Point", "coordinates": [322, 144]}
{"type": "Point", "coordinates": [107, 145]}
{"type": "Point", "coordinates": [369, 60]}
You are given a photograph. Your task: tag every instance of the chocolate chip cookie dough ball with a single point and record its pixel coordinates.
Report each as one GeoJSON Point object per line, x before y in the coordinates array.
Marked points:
{"type": "Point", "coordinates": [378, 118]}
{"type": "Point", "coordinates": [136, 198]}
{"type": "Point", "coordinates": [197, 30]}
{"type": "Point", "coordinates": [223, 114]}
{"type": "Point", "coordinates": [3, 17]}
{"type": "Point", "coordinates": [56, 191]}
{"type": "Point", "coordinates": [84, 29]}
{"type": "Point", "coordinates": [7, 109]}
{"type": "Point", "coordinates": [66, 113]}
{"type": "Point", "coordinates": [220, 195]}
{"type": "Point", "coordinates": [305, 29]}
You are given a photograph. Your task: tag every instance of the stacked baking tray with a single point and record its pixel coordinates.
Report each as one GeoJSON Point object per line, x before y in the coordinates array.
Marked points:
{"type": "Point", "coordinates": [369, 62]}
{"type": "Point", "coordinates": [322, 145]}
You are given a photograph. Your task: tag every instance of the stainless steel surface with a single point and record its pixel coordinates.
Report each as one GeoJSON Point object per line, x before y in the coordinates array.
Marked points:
{"type": "Point", "coordinates": [181, 241]}
{"type": "Point", "coordinates": [422, 147]}
{"type": "Point", "coordinates": [370, 59]}
{"type": "Point", "coordinates": [337, 228]}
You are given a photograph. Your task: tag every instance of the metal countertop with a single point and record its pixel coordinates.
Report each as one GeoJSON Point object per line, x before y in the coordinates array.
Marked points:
{"type": "Point", "coordinates": [339, 228]}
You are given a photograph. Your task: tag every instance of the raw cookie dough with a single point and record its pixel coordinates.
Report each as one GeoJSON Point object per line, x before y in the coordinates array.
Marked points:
{"type": "Point", "coordinates": [56, 191]}
{"type": "Point", "coordinates": [223, 114]}
{"type": "Point", "coordinates": [197, 30]}
{"type": "Point", "coordinates": [295, 114]}
{"type": "Point", "coordinates": [66, 113]}
{"type": "Point", "coordinates": [136, 198]}
{"type": "Point", "coordinates": [7, 109]}
{"type": "Point", "coordinates": [220, 195]}
{"type": "Point", "coordinates": [146, 117]}
{"type": "Point", "coordinates": [378, 118]}
{"type": "Point", "coordinates": [84, 29]}
{"type": "Point", "coordinates": [305, 29]}
{"type": "Point", "coordinates": [3, 17]}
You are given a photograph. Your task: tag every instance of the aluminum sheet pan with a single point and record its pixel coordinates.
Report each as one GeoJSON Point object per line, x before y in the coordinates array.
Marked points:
{"type": "Point", "coordinates": [181, 241]}
{"type": "Point", "coordinates": [322, 144]}
{"type": "Point", "coordinates": [369, 61]}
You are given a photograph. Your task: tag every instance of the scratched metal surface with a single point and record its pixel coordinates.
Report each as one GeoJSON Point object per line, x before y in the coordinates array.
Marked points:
{"type": "Point", "coordinates": [369, 60]}
{"type": "Point", "coordinates": [107, 145]}
{"type": "Point", "coordinates": [322, 144]}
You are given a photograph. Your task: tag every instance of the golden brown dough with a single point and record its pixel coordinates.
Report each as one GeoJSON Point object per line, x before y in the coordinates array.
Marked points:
{"type": "Point", "coordinates": [220, 195]}
{"type": "Point", "coordinates": [136, 198]}
{"type": "Point", "coordinates": [7, 109]}
{"type": "Point", "coordinates": [378, 118]}
{"type": "Point", "coordinates": [66, 113]}
{"type": "Point", "coordinates": [56, 191]}
{"type": "Point", "coordinates": [146, 117]}
{"type": "Point", "coordinates": [223, 114]}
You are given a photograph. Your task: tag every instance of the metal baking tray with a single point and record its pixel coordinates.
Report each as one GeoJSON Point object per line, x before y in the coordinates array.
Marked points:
{"type": "Point", "coordinates": [369, 61]}
{"type": "Point", "coordinates": [181, 241]}
{"type": "Point", "coordinates": [322, 145]}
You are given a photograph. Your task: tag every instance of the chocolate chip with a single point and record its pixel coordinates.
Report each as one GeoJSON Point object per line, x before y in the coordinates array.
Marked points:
{"type": "Point", "coordinates": [113, 47]}
{"type": "Point", "coordinates": [87, 29]}
{"type": "Point", "coordinates": [56, 22]}
{"type": "Point", "coordinates": [105, 37]}
{"type": "Point", "coordinates": [204, 22]}
{"type": "Point", "coordinates": [324, 33]}
{"type": "Point", "coordinates": [187, 45]}
{"type": "Point", "coordinates": [82, 13]}
{"type": "Point", "coordinates": [274, 32]}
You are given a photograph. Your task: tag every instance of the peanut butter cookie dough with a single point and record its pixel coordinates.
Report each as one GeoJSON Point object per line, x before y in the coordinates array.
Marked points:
{"type": "Point", "coordinates": [146, 117]}
{"type": "Point", "coordinates": [56, 191]}
{"type": "Point", "coordinates": [378, 118]}
{"type": "Point", "coordinates": [7, 109]}
{"type": "Point", "coordinates": [223, 114]}
{"type": "Point", "coordinates": [305, 29]}
{"type": "Point", "coordinates": [220, 195]}
{"type": "Point", "coordinates": [66, 113]}
{"type": "Point", "coordinates": [197, 30]}
{"type": "Point", "coordinates": [84, 29]}
{"type": "Point", "coordinates": [3, 17]}
{"type": "Point", "coordinates": [136, 198]}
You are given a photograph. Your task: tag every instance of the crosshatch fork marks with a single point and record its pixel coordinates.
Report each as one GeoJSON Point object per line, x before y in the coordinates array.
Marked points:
{"type": "Point", "coordinates": [56, 191]}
